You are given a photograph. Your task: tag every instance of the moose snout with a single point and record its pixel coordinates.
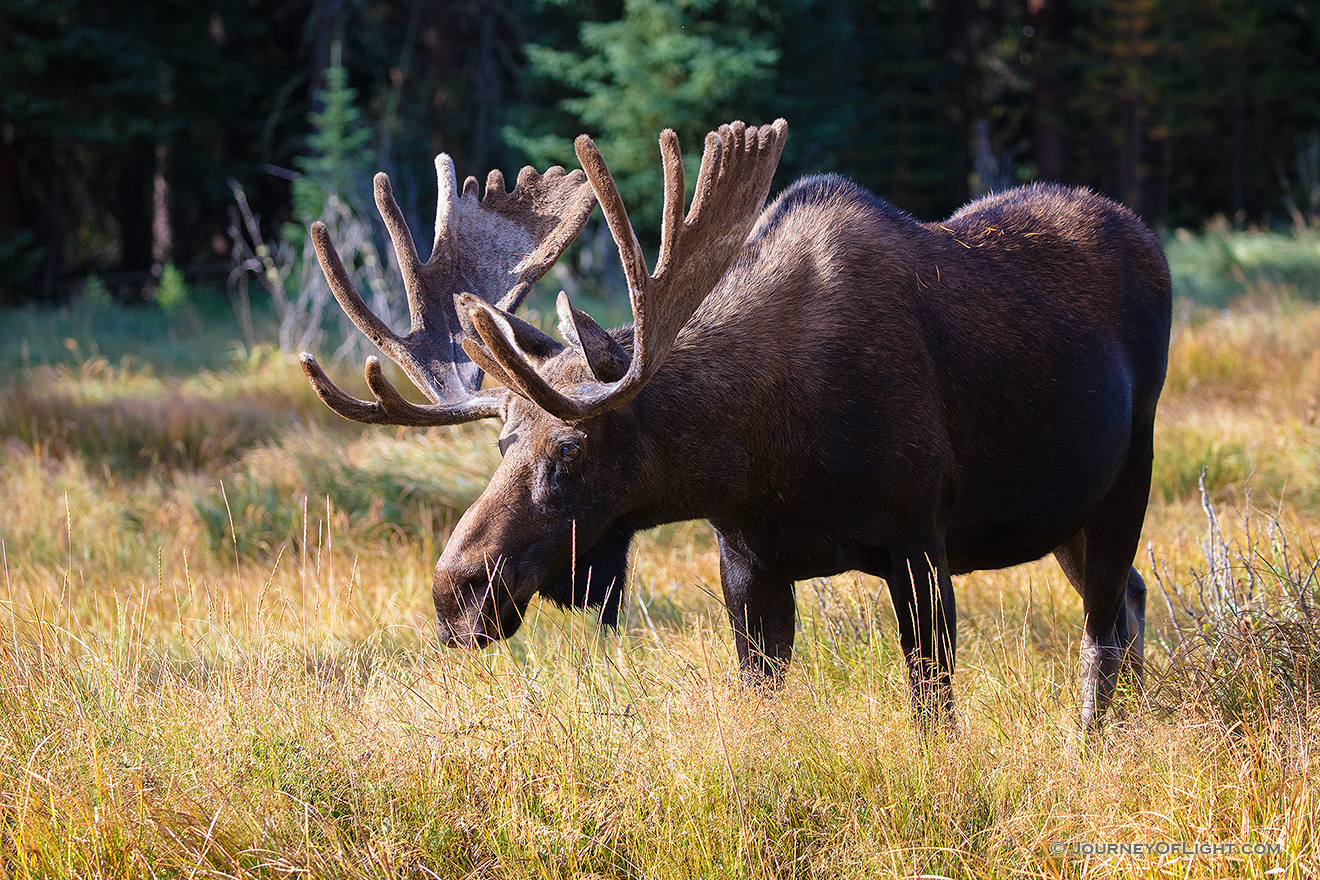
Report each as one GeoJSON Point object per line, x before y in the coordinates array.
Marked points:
{"type": "Point", "coordinates": [474, 605]}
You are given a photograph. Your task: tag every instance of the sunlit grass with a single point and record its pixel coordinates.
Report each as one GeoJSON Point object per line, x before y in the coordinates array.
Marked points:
{"type": "Point", "coordinates": [222, 663]}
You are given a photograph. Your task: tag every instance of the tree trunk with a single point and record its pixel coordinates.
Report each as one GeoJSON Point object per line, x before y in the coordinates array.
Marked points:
{"type": "Point", "coordinates": [162, 229]}
{"type": "Point", "coordinates": [1048, 22]}
{"type": "Point", "coordinates": [9, 195]}
{"type": "Point", "coordinates": [134, 211]}
{"type": "Point", "coordinates": [328, 26]}
{"type": "Point", "coordinates": [487, 85]}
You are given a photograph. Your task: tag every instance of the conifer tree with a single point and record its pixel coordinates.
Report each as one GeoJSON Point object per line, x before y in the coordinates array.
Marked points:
{"type": "Point", "coordinates": [681, 64]}
{"type": "Point", "coordinates": [340, 157]}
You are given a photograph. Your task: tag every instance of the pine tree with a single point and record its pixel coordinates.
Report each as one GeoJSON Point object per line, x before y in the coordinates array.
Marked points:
{"type": "Point", "coordinates": [340, 155]}
{"type": "Point", "coordinates": [683, 64]}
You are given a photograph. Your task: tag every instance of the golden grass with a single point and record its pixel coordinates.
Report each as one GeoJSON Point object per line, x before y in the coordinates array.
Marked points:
{"type": "Point", "coordinates": [244, 683]}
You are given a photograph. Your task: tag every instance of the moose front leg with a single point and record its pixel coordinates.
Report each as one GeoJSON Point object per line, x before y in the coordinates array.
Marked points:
{"type": "Point", "coordinates": [762, 612]}
{"type": "Point", "coordinates": [922, 592]}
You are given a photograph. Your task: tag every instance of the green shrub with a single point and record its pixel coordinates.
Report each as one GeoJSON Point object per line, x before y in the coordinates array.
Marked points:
{"type": "Point", "coordinates": [172, 293]}
{"type": "Point", "coordinates": [96, 292]}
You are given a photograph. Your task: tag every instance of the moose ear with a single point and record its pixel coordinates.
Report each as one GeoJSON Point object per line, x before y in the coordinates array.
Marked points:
{"type": "Point", "coordinates": [607, 359]}
{"type": "Point", "coordinates": [538, 346]}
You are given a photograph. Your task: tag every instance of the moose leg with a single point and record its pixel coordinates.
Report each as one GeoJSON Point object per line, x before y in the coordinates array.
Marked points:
{"type": "Point", "coordinates": [762, 612]}
{"type": "Point", "coordinates": [1098, 562]}
{"type": "Point", "coordinates": [1133, 642]}
{"type": "Point", "coordinates": [922, 593]}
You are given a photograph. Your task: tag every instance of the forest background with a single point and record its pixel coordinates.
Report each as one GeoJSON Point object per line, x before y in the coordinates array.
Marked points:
{"type": "Point", "coordinates": [217, 651]}
{"type": "Point", "coordinates": [126, 128]}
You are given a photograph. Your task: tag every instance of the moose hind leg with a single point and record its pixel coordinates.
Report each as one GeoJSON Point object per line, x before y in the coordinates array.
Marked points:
{"type": "Point", "coordinates": [762, 612]}
{"type": "Point", "coordinates": [922, 593]}
{"type": "Point", "coordinates": [1098, 563]}
{"type": "Point", "coordinates": [1133, 642]}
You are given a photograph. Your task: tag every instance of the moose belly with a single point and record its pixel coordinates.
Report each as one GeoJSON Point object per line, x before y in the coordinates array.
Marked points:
{"type": "Point", "coordinates": [798, 550]}
{"type": "Point", "coordinates": [1025, 507]}
{"type": "Point", "coordinates": [1020, 480]}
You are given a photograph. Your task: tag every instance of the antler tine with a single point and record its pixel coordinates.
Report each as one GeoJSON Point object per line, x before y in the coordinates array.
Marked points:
{"type": "Point", "coordinates": [616, 215]}
{"type": "Point", "coordinates": [390, 408]}
{"type": "Point", "coordinates": [671, 158]}
{"type": "Point", "coordinates": [737, 166]}
{"type": "Point", "coordinates": [502, 357]}
{"type": "Point", "coordinates": [446, 199]}
{"type": "Point", "coordinates": [404, 246]}
{"type": "Point", "coordinates": [538, 192]}
{"type": "Point", "coordinates": [349, 300]}
{"type": "Point", "coordinates": [712, 160]}
{"type": "Point", "coordinates": [401, 412]}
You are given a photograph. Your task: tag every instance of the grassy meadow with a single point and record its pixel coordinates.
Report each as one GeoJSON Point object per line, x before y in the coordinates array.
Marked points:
{"type": "Point", "coordinates": [216, 652]}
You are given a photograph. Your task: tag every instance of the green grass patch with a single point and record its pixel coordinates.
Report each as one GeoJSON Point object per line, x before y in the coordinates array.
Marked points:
{"type": "Point", "coordinates": [179, 342]}
{"type": "Point", "coordinates": [1222, 265]}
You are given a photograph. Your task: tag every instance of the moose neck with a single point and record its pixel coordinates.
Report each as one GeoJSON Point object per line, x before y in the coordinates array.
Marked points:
{"type": "Point", "coordinates": [694, 456]}
{"type": "Point", "coordinates": [703, 416]}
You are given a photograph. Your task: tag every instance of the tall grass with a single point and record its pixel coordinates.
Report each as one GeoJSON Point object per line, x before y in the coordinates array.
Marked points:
{"type": "Point", "coordinates": [216, 659]}
{"type": "Point", "coordinates": [295, 718]}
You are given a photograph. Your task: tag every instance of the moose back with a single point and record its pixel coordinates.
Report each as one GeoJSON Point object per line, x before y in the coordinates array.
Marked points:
{"type": "Point", "coordinates": [833, 385]}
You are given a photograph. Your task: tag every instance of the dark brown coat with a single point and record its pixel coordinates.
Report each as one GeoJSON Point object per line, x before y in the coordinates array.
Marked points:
{"type": "Point", "coordinates": [858, 391]}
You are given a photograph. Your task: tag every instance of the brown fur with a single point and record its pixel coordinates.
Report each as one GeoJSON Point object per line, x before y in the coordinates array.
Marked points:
{"type": "Point", "coordinates": [860, 392]}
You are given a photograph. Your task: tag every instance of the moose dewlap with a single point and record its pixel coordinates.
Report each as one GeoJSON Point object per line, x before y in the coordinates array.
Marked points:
{"type": "Point", "coordinates": [833, 385]}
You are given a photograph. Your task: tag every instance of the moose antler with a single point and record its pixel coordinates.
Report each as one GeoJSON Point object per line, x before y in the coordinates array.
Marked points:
{"type": "Point", "coordinates": [736, 169]}
{"type": "Point", "coordinates": [494, 249]}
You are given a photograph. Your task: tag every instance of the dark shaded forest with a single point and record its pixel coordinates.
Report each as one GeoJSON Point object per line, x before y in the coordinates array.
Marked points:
{"type": "Point", "coordinates": [127, 128]}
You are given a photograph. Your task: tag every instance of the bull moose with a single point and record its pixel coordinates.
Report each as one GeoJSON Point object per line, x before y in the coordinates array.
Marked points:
{"type": "Point", "coordinates": [833, 385]}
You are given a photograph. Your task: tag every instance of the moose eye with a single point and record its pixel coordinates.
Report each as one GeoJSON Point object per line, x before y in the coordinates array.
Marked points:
{"type": "Point", "coordinates": [568, 452]}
